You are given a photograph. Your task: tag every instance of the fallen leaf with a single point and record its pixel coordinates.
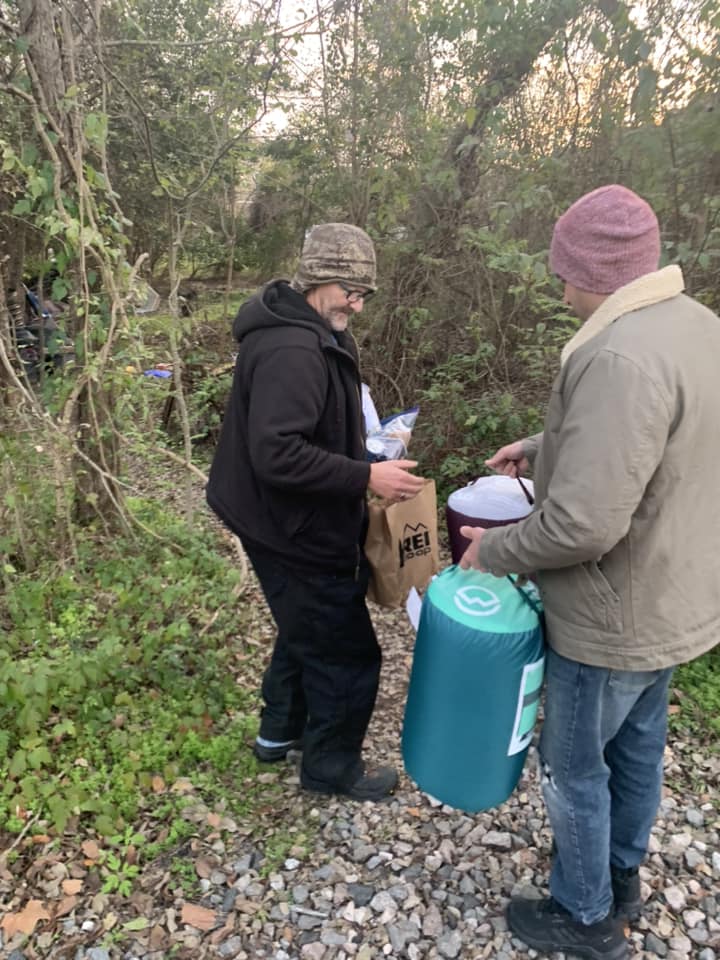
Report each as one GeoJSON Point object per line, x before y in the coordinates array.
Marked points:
{"type": "Point", "coordinates": [65, 906]}
{"type": "Point", "coordinates": [40, 838]}
{"type": "Point", "coordinates": [414, 811]}
{"type": "Point", "coordinates": [214, 820]}
{"type": "Point", "coordinates": [158, 784]}
{"type": "Point", "coordinates": [72, 886]}
{"type": "Point", "coordinates": [91, 850]}
{"type": "Point", "coordinates": [198, 917]}
{"type": "Point", "coordinates": [139, 923]}
{"type": "Point", "coordinates": [109, 921]}
{"type": "Point", "coordinates": [203, 869]}
{"type": "Point", "coordinates": [25, 921]}
{"type": "Point", "coordinates": [224, 932]}
{"type": "Point", "coordinates": [674, 708]}
{"type": "Point", "coordinates": [183, 785]}
{"type": "Point", "coordinates": [158, 938]}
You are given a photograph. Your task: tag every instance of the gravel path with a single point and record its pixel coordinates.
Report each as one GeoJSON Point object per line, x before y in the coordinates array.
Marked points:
{"type": "Point", "coordinates": [410, 878]}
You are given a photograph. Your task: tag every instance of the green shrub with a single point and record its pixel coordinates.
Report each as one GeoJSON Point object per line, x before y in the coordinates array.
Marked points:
{"type": "Point", "coordinates": [118, 672]}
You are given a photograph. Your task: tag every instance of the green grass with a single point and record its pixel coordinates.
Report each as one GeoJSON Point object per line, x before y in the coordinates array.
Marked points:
{"type": "Point", "coordinates": [698, 684]}
{"type": "Point", "coordinates": [120, 677]}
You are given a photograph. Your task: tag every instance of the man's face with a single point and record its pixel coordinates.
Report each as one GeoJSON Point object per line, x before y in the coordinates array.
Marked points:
{"type": "Point", "coordinates": [582, 303]}
{"type": "Point", "coordinates": [331, 301]}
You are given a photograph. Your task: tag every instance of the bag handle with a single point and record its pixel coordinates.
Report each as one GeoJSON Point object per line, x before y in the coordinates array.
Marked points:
{"type": "Point", "coordinates": [528, 496]}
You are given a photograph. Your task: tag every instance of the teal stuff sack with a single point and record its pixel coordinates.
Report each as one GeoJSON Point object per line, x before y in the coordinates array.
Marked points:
{"type": "Point", "coordinates": [474, 688]}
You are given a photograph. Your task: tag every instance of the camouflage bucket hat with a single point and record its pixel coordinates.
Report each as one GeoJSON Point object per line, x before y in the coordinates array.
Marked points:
{"type": "Point", "coordinates": [335, 252]}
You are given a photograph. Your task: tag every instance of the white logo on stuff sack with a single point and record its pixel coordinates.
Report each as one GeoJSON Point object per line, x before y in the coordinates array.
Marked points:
{"type": "Point", "coordinates": [477, 601]}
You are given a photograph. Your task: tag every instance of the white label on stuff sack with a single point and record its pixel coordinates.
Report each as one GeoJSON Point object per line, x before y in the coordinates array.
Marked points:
{"type": "Point", "coordinates": [527, 706]}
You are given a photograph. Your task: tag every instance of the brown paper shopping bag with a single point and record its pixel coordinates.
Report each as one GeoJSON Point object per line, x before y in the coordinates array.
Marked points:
{"type": "Point", "coordinates": [402, 546]}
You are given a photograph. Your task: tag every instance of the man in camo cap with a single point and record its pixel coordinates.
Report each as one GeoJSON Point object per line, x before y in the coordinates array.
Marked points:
{"type": "Point", "coordinates": [290, 478]}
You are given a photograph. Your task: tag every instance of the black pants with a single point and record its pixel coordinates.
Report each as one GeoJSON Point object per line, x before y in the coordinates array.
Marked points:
{"type": "Point", "coordinates": [323, 677]}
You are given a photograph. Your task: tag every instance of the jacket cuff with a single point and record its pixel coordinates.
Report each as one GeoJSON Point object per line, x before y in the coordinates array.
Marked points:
{"type": "Point", "coordinates": [359, 477]}
{"type": "Point", "coordinates": [530, 447]}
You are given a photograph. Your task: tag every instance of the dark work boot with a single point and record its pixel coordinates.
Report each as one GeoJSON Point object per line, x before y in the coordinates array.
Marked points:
{"type": "Point", "coordinates": [376, 783]}
{"type": "Point", "coordinates": [626, 892]}
{"type": "Point", "coordinates": [548, 927]}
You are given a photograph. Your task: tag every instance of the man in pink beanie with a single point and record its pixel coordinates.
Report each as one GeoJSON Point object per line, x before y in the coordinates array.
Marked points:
{"type": "Point", "coordinates": [623, 538]}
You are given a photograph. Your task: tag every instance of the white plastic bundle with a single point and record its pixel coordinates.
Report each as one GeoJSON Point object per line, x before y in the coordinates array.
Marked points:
{"type": "Point", "coordinates": [492, 498]}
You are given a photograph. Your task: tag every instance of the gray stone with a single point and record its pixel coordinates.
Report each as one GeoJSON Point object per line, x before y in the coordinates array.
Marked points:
{"type": "Point", "coordinates": [497, 840]}
{"type": "Point", "coordinates": [361, 893]}
{"type": "Point", "coordinates": [97, 953]}
{"type": "Point", "coordinates": [315, 951]}
{"type": "Point", "coordinates": [710, 906]}
{"type": "Point", "coordinates": [680, 944]}
{"type": "Point", "coordinates": [243, 864]}
{"type": "Point", "coordinates": [693, 859]}
{"type": "Point", "coordinates": [231, 947]}
{"type": "Point", "coordinates": [334, 938]}
{"type": "Point", "coordinates": [699, 935]}
{"type": "Point", "coordinates": [695, 818]}
{"type": "Point", "coordinates": [300, 893]}
{"type": "Point", "coordinates": [397, 937]}
{"type": "Point", "coordinates": [362, 852]}
{"type": "Point", "coordinates": [229, 899]}
{"type": "Point", "coordinates": [467, 885]}
{"type": "Point", "coordinates": [399, 892]}
{"type": "Point", "coordinates": [655, 945]}
{"type": "Point", "coordinates": [450, 944]}
{"type": "Point", "coordinates": [383, 901]}
{"type": "Point", "coordinates": [432, 924]}
{"type": "Point", "coordinates": [675, 898]}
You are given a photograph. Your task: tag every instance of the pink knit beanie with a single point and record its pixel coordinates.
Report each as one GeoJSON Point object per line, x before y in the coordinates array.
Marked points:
{"type": "Point", "coordinates": [606, 239]}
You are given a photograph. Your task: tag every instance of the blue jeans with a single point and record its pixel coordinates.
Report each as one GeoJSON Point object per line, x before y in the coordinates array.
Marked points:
{"type": "Point", "coordinates": [601, 762]}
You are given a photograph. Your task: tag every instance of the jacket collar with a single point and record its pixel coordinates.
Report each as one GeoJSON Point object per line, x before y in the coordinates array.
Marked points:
{"type": "Point", "coordinates": [643, 292]}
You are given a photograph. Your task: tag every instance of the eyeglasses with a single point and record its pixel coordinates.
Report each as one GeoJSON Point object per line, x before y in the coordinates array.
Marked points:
{"type": "Point", "coordinates": [353, 295]}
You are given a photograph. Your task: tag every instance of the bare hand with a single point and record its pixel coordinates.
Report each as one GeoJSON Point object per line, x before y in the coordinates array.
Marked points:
{"type": "Point", "coordinates": [391, 480]}
{"type": "Point", "coordinates": [509, 460]}
{"type": "Point", "coordinates": [471, 557]}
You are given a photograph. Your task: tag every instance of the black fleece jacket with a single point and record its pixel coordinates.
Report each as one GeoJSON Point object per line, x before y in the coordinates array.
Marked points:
{"type": "Point", "coordinates": [289, 474]}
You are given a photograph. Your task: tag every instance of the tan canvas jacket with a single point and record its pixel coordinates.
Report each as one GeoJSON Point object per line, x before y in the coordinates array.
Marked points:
{"type": "Point", "coordinates": [625, 534]}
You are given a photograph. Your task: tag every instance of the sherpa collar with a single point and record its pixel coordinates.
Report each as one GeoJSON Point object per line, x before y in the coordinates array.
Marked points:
{"type": "Point", "coordinates": [643, 292]}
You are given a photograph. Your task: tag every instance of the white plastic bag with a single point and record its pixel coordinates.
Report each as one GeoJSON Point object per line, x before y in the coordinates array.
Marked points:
{"type": "Point", "coordinates": [391, 440]}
